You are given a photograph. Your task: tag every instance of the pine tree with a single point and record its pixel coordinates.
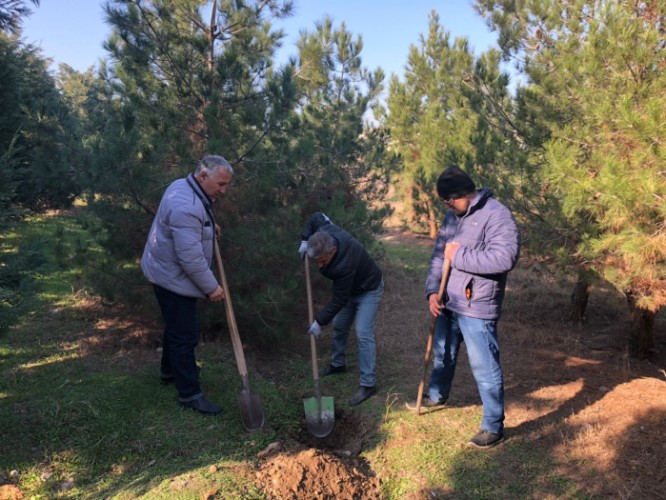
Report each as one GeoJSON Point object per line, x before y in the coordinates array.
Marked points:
{"type": "Point", "coordinates": [430, 120]}
{"type": "Point", "coordinates": [596, 73]}
{"type": "Point", "coordinates": [34, 169]}
{"type": "Point", "coordinates": [189, 78]}
{"type": "Point", "coordinates": [339, 152]}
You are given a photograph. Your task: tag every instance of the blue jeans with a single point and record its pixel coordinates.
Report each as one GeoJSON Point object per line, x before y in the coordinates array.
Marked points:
{"type": "Point", "coordinates": [363, 308]}
{"type": "Point", "coordinates": [480, 337]}
{"type": "Point", "coordinates": [181, 336]}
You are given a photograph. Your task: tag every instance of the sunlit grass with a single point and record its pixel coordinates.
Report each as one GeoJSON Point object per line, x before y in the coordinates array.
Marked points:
{"type": "Point", "coordinates": [414, 258]}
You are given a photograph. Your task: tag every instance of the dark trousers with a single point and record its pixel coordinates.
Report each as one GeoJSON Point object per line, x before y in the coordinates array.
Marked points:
{"type": "Point", "coordinates": [181, 336]}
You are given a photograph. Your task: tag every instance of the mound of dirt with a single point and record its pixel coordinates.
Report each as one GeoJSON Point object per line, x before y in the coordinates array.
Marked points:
{"type": "Point", "coordinates": [315, 474]}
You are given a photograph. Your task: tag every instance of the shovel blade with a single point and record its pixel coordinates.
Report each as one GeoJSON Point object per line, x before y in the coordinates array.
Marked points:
{"type": "Point", "coordinates": [319, 415]}
{"type": "Point", "coordinates": [252, 413]}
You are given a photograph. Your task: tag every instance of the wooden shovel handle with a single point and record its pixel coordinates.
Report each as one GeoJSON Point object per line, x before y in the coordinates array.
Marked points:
{"type": "Point", "coordinates": [445, 278]}
{"type": "Point", "coordinates": [231, 319]}
{"type": "Point", "coordinates": [431, 336]}
{"type": "Point", "coordinates": [308, 285]}
{"type": "Point", "coordinates": [313, 342]}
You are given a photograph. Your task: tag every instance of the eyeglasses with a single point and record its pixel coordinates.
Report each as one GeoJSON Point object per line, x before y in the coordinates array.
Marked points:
{"type": "Point", "coordinates": [449, 201]}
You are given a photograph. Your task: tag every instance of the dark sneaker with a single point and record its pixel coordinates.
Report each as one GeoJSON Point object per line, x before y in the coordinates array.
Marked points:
{"type": "Point", "coordinates": [332, 370]}
{"type": "Point", "coordinates": [202, 405]}
{"type": "Point", "coordinates": [485, 439]}
{"type": "Point", "coordinates": [426, 402]}
{"type": "Point", "coordinates": [361, 394]}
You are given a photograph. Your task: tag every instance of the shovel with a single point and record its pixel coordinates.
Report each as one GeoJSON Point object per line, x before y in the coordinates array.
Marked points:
{"type": "Point", "coordinates": [252, 414]}
{"type": "Point", "coordinates": [440, 296]}
{"type": "Point", "coordinates": [319, 411]}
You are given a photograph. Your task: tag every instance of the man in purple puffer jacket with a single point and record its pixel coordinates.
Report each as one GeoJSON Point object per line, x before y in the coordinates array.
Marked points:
{"type": "Point", "coordinates": [480, 238]}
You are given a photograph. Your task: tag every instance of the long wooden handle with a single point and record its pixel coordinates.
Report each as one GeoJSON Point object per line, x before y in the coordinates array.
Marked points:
{"type": "Point", "coordinates": [431, 336]}
{"type": "Point", "coordinates": [313, 342]}
{"type": "Point", "coordinates": [445, 278]}
{"type": "Point", "coordinates": [231, 319]}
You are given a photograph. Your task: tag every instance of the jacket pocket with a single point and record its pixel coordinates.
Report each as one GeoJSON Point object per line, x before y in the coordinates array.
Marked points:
{"type": "Point", "coordinates": [208, 231]}
{"type": "Point", "coordinates": [469, 292]}
{"type": "Point", "coordinates": [480, 290]}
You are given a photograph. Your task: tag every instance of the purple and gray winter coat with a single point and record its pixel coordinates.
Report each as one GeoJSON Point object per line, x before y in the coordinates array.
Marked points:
{"type": "Point", "coordinates": [489, 248]}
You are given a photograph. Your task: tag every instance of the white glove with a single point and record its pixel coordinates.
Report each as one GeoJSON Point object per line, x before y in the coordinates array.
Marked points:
{"type": "Point", "coordinates": [315, 329]}
{"type": "Point", "coordinates": [303, 249]}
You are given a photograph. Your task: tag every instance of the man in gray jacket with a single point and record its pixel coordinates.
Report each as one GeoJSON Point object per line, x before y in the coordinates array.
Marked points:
{"type": "Point", "coordinates": [480, 239]}
{"type": "Point", "coordinates": [177, 260]}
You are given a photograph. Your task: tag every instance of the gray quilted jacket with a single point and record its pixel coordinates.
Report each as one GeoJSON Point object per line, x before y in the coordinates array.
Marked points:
{"type": "Point", "coordinates": [179, 250]}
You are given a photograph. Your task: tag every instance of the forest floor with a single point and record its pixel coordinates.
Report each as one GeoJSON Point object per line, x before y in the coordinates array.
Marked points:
{"type": "Point", "coordinates": [583, 418]}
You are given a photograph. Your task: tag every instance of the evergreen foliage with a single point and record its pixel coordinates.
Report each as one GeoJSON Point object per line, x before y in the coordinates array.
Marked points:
{"type": "Point", "coordinates": [596, 72]}
{"type": "Point", "coordinates": [190, 78]}
{"type": "Point", "coordinates": [576, 152]}
{"type": "Point", "coordinates": [339, 160]}
{"type": "Point", "coordinates": [11, 14]}
{"type": "Point", "coordinates": [33, 137]}
{"type": "Point", "coordinates": [34, 161]}
{"type": "Point", "coordinates": [430, 120]}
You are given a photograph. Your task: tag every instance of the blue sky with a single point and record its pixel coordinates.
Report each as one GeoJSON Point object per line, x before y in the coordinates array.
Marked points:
{"type": "Point", "coordinates": [72, 31]}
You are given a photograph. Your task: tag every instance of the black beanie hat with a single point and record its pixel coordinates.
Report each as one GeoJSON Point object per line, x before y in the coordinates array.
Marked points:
{"type": "Point", "coordinates": [454, 183]}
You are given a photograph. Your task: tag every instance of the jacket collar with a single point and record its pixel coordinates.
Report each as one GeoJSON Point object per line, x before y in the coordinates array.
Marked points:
{"type": "Point", "coordinates": [203, 197]}
{"type": "Point", "coordinates": [196, 187]}
{"type": "Point", "coordinates": [482, 195]}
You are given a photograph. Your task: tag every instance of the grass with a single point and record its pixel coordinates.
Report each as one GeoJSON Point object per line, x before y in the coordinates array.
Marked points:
{"type": "Point", "coordinates": [76, 425]}
{"type": "Point", "coordinates": [109, 431]}
{"type": "Point", "coordinates": [79, 419]}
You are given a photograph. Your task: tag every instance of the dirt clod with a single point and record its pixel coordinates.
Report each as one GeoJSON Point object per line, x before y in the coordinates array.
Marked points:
{"type": "Point", "coordinates": [315, 474]}
{"type": "Point", "coordinates": [10, 492]}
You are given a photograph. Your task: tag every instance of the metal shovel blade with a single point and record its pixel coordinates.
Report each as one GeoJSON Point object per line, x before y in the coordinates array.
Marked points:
{"type": "Point", "coordinates": [252, 413]}
{"type": "Point", "coordinates": [319, 415]}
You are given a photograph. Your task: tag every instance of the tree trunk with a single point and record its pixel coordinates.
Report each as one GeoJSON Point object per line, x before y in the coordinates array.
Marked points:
{"type": "Point", "coordinates": [579, 298]}
{"type": "Point", "coordinates": [641, 340]}
{"type": "Point", "coordinates": [212, 34]}
{"type": "Point", "coordinates": [410, 209]}
{"type": "Point", "coordinates": [432, 223]}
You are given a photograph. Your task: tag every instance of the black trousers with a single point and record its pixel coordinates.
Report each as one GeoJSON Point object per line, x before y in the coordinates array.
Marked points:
{"type": "Point", "coordinates": [181, 336]}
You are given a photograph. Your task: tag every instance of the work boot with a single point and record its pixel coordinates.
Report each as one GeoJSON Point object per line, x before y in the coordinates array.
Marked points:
{"type": "Point", "coordinates": [361, 394]}
{"type": "Point", "coordinates": [426, 402]}
{"type": "Point", "coordinates": [332, 370]}
{"type": "Point", "coordinates": [485, 439]}
{"type": "Point", "coordinates": [202, 405]}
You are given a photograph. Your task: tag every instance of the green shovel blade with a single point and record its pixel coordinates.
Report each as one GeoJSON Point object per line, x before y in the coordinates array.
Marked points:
{"type": "Point", "coordinates": [319, 415]}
